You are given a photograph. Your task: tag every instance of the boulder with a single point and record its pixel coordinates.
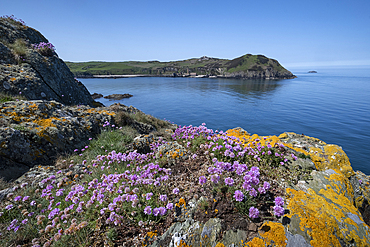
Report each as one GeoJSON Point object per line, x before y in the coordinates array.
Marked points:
{"type": "Point", "coordinates": [96, 95]}
{"type": "Point", "coordinates": [118, 96]}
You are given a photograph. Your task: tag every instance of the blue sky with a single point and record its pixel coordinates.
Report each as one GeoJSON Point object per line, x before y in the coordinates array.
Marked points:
{"type": "Point", "coordinates": [296, 33]}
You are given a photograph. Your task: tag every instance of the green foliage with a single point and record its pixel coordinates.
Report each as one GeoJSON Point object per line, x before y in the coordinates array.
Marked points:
{"type": "Point", "coordinates": [303, 156]}
{"type": "Point", "coordinates": [204, 205]}
{"type": "Point", "coordinates": [4, 97]}
{"type": "Point", "coordinates": [112, 234]}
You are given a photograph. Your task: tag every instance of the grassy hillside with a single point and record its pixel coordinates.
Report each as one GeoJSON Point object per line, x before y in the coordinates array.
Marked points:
{"type": "Point", "coordinates": [201, 66]}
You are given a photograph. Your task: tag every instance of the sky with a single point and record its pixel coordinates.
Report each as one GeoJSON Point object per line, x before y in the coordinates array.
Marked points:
{"type": "Point", "coordinates": [296, 33]}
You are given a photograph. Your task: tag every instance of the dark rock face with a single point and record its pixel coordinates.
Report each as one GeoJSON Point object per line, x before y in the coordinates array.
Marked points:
{"type": "Point", "coordinates": [33, 75]}
{"type": "Point", "coordinates": [118, 96]}
{"type": "Point", "coordinates": [268, 73]}
{"type": "Point", "coordinates": [34, 132]}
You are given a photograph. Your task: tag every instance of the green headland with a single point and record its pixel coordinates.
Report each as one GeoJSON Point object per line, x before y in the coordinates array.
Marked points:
{"type": "Point", "coordinates": [246, 66]}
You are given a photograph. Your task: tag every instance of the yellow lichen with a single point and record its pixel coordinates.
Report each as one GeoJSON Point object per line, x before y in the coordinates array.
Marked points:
{"type": "Point", "coordinates": [320, 217]}
{"type": "Point", "coordinates": [182, 244]}
{"type": "Point", "coordinates": [152, 234]}
{"type": "Point", "coordinates": [275, 235]}
{"type": "Point", "coordinates": [181, 202]}
{"type": "Point", "coordinates": [256, 242]}
{"type": "Point", "coordinates": [251, 140]}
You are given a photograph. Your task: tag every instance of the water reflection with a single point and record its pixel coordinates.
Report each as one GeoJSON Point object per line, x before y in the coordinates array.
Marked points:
{"type": "Point", "coordinates": [246, 88]}
{"type": "Point", "coordinates": [146, 87]}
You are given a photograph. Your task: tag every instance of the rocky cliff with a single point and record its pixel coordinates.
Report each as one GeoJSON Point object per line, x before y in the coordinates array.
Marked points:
{"type": "Point", "coordinates": [30, 66]}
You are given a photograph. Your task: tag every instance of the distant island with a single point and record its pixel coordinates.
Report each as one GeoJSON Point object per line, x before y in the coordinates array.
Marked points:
{"type": "Point", "coordinates": [312, 71]}
{"type": "Point", "coordinates": [248, 67]}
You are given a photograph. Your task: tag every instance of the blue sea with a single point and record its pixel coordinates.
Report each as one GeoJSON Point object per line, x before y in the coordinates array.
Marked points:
{"type": "Point", "coordinates": [332, 105]}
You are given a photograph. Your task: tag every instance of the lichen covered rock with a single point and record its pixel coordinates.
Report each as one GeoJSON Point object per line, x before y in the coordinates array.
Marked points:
{"type": "Point", "coordinates": [34, 132]}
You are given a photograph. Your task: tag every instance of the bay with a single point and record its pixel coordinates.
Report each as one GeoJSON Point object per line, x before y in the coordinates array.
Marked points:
{"type": "Point", "coordinates": [332, 105]}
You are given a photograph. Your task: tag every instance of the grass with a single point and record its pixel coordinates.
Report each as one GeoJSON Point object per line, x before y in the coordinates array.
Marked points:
{"type": "Point", "coordinates": [4, 97]}
{"type": "Point", "coordinates": [19, 49]}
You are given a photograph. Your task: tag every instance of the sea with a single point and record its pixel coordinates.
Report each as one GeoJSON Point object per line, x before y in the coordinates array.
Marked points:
{"type": "Point", "coordinates": [332, 105]}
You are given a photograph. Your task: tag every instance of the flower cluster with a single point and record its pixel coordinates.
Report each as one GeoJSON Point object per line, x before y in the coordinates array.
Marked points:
{"type": "Point", "coordinates": [140, 191]}
{"type": "Point", "coordinates": [278, 208]}
{"type": "Point", "coordinates": [45, 49]}
{"type": "Point", "coordinates": [235, 164]}
{"type": "Point", "coordinates": [13, 18]}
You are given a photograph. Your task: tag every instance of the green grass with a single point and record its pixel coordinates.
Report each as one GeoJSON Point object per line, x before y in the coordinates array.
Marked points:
{"type": "Point", "coordinates": [19, 49]}
{"type": "Point", "coordinates": [4, 97]}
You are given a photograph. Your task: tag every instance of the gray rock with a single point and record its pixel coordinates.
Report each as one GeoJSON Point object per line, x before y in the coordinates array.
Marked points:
{"type": "Point", "coordinates": [296, 240]}
{"type": "Point", "coordinates": [173, 151]}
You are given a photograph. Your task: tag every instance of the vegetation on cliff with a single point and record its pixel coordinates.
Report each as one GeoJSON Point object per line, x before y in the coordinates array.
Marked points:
{"type": "Point", "coordinates": [247, 66]}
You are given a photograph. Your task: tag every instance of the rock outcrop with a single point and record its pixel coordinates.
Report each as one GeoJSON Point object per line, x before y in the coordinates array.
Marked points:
{"type": "Point", "coordinates": [118, 96]}
{"type": "Point", "coordinates": [35, 132]}
{"type": "Point", "coordinates": [34, 74]}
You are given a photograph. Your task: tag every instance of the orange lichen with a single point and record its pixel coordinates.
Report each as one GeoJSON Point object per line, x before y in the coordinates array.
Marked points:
{"type": "Point", "coordinates": [275, 235]}
{"type": "Point", "coordinates": [329, 156]}
{"type": "Point", "coordinates": [12, 79]}
{"type": "Point", "coordinates": [93, 110]}
{"type": "Point", "coordinates": [181, 202]}
{"type": "Point", "coordinates": [320, 217]}
{"type": "Point", "coordinates": [256, 242]}
{"type": "Point", "coordinates": [152, 234]}
{"type": "Point", "coordinates": [182, 244]}
{"type": "Point", "coordinates": [315, 217]}
{"type": "Point", "coordinates": [251, 140]}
